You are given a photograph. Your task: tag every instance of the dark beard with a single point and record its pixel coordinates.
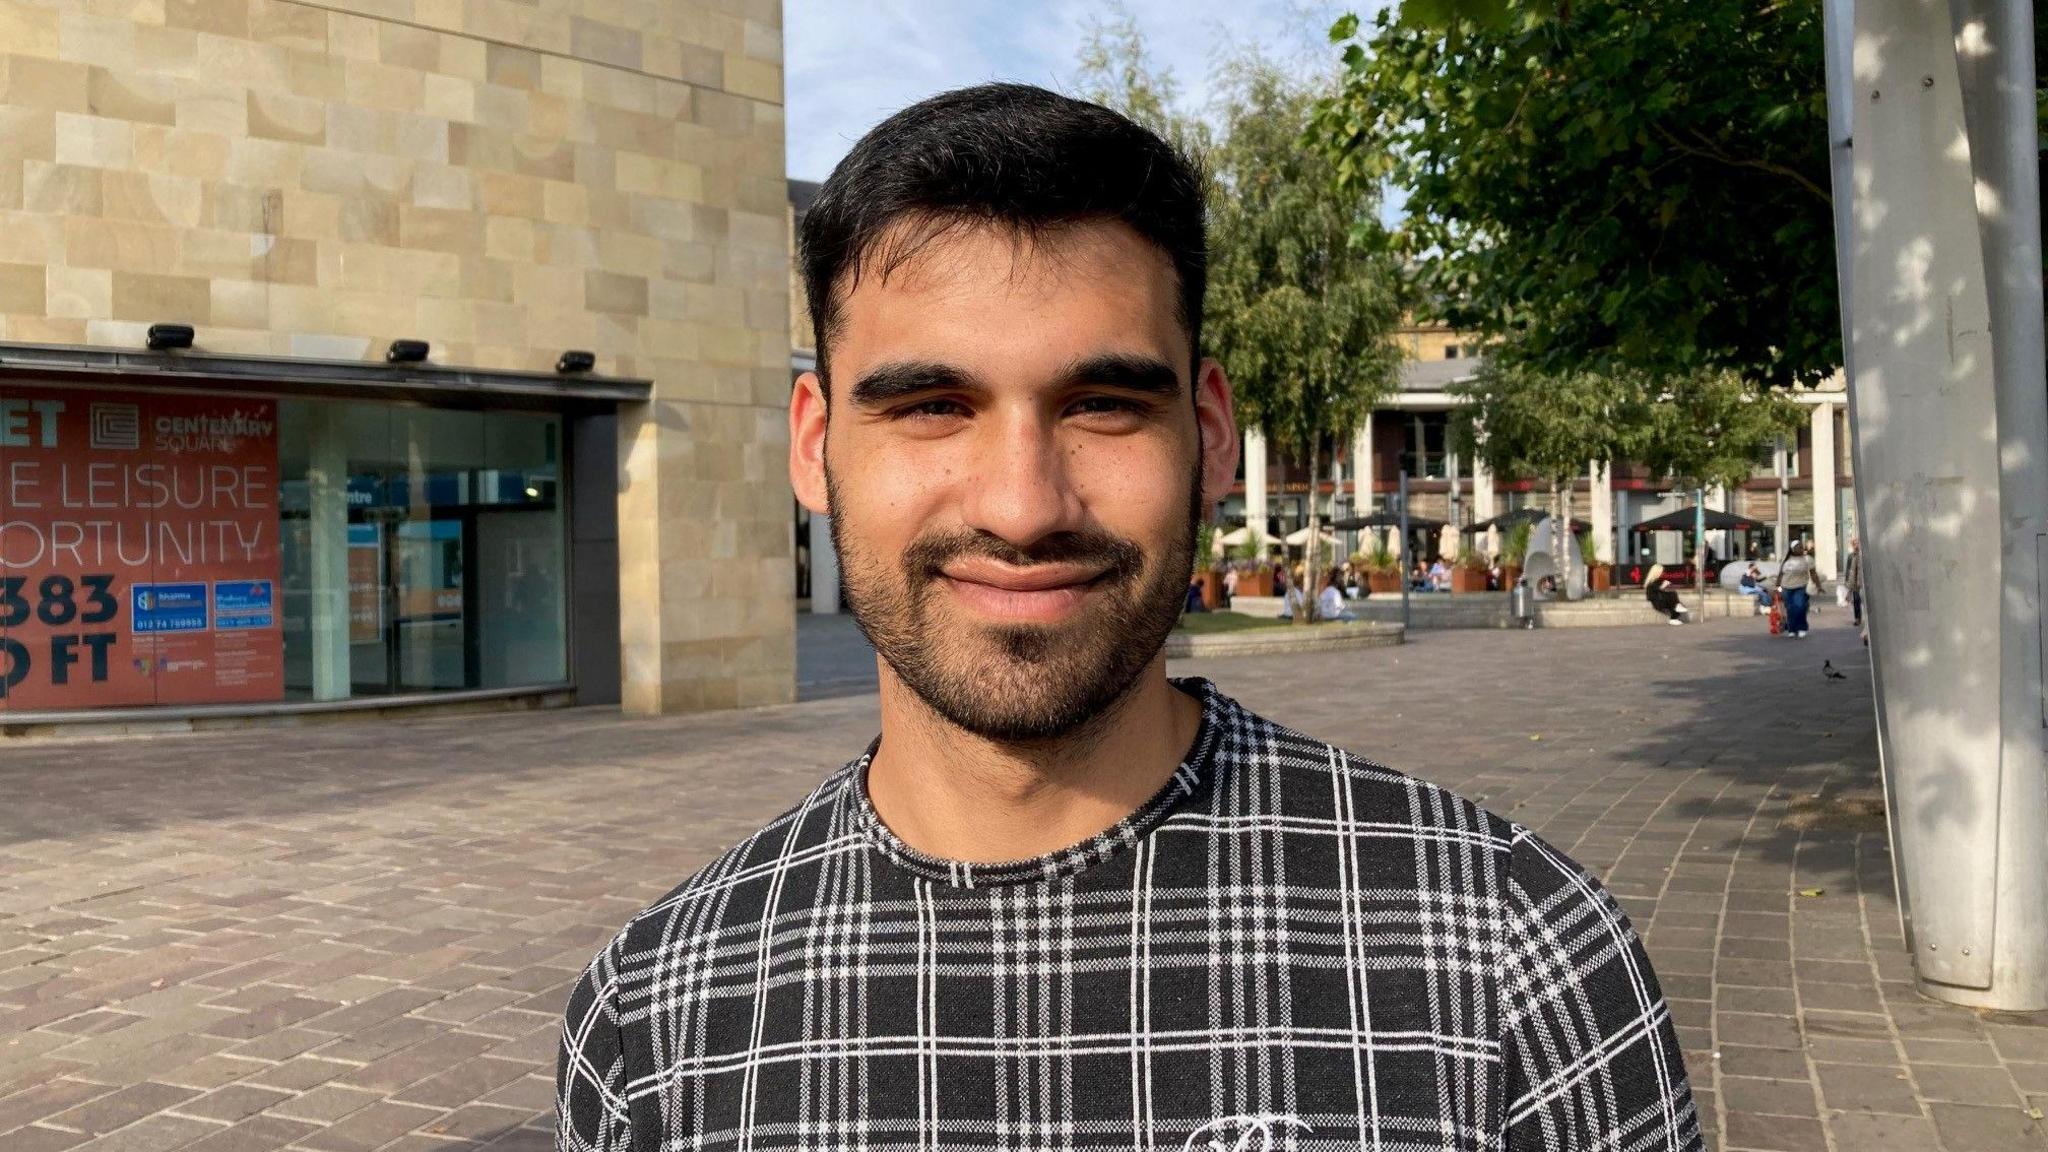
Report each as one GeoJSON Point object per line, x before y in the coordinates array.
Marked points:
{"type": "Point", "coordinates": [1025, 683]}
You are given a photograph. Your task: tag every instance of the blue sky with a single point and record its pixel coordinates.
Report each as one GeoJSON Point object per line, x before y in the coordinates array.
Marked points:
{"type": "Point", "coordinates": [852, 62]}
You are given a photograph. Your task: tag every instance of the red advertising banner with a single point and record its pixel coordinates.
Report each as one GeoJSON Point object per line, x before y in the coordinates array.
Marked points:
{"type": "Point", "coordinates": [138, 549]}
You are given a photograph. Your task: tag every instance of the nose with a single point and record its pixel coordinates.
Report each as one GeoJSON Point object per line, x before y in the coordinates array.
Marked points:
{"type": "Point", "coordinates": [1021, 486]}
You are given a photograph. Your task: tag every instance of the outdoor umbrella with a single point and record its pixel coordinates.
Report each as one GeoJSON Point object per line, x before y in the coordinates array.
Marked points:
{"type": "Point", "coordinates": [1682, 521]}
{"type": "Point", "coordinates": [1300, 536]}
{"type": "Point", "coordinates": [1241, 536]}
{"type": "Point", "coordinates": [1384, 520]}
{"type": "Point", "coordinates": [1522, 516]}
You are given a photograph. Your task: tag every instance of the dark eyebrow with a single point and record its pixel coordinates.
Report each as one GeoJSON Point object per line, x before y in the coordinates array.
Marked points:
{"type": "Point", "coordinates": [891, 382]}
{"type": "Point", "coordinates": [1125, 372]}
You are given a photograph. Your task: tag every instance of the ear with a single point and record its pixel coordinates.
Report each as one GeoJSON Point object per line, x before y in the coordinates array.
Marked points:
{"type": "Point", "coordinates": [807, 443]}
{"type": "Point", "coordinates": [1220, 442]}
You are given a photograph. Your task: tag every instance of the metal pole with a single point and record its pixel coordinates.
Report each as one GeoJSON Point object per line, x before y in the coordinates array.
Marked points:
{"type": "Point", "coordinates": [1403, 498]}
{"type": "Point", "coordinates": [1699, 547]}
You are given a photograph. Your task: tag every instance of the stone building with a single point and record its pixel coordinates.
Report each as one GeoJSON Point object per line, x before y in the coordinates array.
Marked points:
{"type": "Point", "coordinates": [386, 350]}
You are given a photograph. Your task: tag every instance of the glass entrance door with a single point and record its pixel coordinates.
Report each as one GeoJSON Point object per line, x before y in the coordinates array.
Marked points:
{"type": "Point", "coordinates": [428, 648]}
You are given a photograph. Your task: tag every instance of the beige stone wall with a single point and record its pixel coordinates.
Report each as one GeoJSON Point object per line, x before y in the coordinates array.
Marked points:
{"type": "Point", "coordinates": [502, 178]}
{"type": "Point", "coordinates": [1431, 342]}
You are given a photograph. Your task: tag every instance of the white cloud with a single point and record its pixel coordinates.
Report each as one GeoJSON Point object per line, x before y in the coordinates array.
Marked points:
{"type": "Point", "coordinates": [850, 64]}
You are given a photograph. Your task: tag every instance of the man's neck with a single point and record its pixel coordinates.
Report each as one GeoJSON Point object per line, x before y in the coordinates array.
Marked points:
{"type": "Point", "coordinates": [954, 795]}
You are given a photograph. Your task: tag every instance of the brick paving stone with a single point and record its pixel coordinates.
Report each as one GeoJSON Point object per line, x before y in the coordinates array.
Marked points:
{"type": "Point", "coordinates": [39, 1139]}
{"type": "Point", "coordinates": [1756, 1133]}
{"type": "Point", "coordinates": [1970, 1128]}
{"type": "Point", "coordinates": [302, 928]}
{"type": "Point", "coordinates": [1877, 1133]}
{"type": "Point", "coordinates": [45, 1100]}
{"type": "Point", "coordinates": [122, 1108]}
{"type": "Point", "coordinates": [370, 1128]}
{"type": "Point", "coordinates": [1775, 1097]}
{"type": "Point", "coordinates": [232, 1102]}
{"type": "Point", "coordinates": [159, 1133]}
{"type": "Point", "coordinates": [326, 1104]}
{"type": "Point", "coordinates": [1959, 1085]}
{"type": "Point", "coordinates": [1856, 1088]}
{"type": "Point", "coordinates": [257, 1134]}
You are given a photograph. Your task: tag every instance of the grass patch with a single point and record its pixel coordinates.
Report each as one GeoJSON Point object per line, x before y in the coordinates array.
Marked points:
{"type": "Point", "coordinates": [1205, 623]}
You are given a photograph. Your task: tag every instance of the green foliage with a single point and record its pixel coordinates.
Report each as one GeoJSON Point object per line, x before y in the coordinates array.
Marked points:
{"type": "Point", "coordinates": [1205, 546]}
{"type": "Point", "coordinates": [1604, 184]}
{"type": "Point", "coordinates": [1522, 423]}
{"type": "Point", "coordinates": [1589, 549]}
{"type": "Point", "coordinates": [1382, 559]}
{"type": "Point", "coordinates": [1705, 428]}
{"type": "Point", "coordinates": [1514, 544]}
{"type": "Point", "coordinates": [1709, 428]}
{"type": "Point", "coordinates": [1300, 315]}
{"type": "Point", "coordinates": [1117, 72]}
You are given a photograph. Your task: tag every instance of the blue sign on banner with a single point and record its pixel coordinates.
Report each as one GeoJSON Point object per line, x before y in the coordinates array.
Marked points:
{"type": "Point", "coordinates": [168, 608]}
{"type": "Point", "coordinates": [242, 604]}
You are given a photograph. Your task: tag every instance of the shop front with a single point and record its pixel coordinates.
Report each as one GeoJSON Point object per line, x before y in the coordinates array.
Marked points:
{"type": "Point", "coordinates": [219, 546]}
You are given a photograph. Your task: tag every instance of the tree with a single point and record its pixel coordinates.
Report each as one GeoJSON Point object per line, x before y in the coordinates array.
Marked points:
{"type": "Point", "coordinates": [1300, 312]}
{"type": "Point", "coordinates": [1117, 72]}
{"type": "Point", "coordinates": [1606, 184]}
{"type": "Point", "coordinates": [1519, 422]}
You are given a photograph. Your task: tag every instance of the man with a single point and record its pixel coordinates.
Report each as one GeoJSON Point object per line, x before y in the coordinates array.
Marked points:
{"type": "Point", "coordinates": [1062, 901]}
{"type": "Point", "coordinates": [1852, 579]}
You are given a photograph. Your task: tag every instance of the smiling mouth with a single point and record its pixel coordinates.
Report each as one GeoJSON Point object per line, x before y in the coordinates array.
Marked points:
{"type": "Point", "coordinates": [1024, 597]}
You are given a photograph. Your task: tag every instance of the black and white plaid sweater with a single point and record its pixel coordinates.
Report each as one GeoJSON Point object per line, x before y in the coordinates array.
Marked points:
{"type": "Point", "coordinates": [1286, 947]}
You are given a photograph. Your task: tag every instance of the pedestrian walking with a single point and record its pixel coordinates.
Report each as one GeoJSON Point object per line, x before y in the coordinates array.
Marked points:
{"type": "Point", "coordinates": [1795, 579]}
{"type": "Point", "coordinates": [1229, 585]}
{"type": "Point", "coordinates": [1062, 900]}
{"type": "Point", "coordinates": [1663, 596]}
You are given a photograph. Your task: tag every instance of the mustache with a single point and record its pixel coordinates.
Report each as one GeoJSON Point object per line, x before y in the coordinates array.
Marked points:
{"type": "Point", "coordinates": [1120, 559]}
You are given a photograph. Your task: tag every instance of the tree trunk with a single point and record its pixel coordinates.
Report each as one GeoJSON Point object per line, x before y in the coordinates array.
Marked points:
{"type": "Point", "coordinates": [1309, 590]}
{"type": "Point", "coordinates": [1562, 542]}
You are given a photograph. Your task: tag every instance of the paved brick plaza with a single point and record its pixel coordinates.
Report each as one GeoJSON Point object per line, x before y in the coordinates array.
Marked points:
{"type": "Point", "coordinates": [352, 937]}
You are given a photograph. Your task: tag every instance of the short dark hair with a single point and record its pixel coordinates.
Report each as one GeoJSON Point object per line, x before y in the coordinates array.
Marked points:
{"type": "Point", "coordinates": [1011, 155]}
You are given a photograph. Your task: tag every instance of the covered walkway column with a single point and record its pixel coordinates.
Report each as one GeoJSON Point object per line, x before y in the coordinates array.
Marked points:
{"type": "Point", "coordinates": [1602, 499]}
{"type": "Point", "coordinates": [1255, 483]}
{"type": "Point", "coordinates": [1824, 531]}
{"type": "Point", "coordinates": [1482, 505]}
{"type": "Point", "coordinates": [1362, 468]}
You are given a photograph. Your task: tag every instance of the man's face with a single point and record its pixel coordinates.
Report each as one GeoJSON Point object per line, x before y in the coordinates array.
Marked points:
{"type": "Point", "coordinates": [1014, 467]}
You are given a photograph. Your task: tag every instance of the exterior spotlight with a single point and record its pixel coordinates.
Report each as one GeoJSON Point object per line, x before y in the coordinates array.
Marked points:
{"type": "Point", "coordinates": [576, 360]}
{"type": "Point", "coordinates": [532, 493]}
{"type": "Point", "coordinates": [406, 352]}
{"type": "Point", "coordinates": [163, 337]}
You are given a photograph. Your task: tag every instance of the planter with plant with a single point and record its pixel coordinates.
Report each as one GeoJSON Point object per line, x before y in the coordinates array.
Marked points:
{"type": "Point", "coordinates": [1208, 571]}
{"type": "Point", "coordinates": [1514, 548]}
{"type": "Point", "coordinates": [1599, 573]}
{"type": "Point", "coordinates": [1468, 573]}
{"type": "Point", "coordinates": [1382, 569]}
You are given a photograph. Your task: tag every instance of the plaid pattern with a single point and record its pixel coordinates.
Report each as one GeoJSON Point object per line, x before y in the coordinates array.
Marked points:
{"type": "Point", "coordinates": [1286, 948]}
